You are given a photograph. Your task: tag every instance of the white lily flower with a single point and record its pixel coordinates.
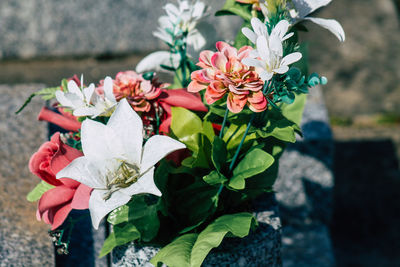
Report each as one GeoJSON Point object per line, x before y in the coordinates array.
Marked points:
{"type": "Point", "coordinates": [115, 162]}
{"type": "Point", "coordinates": [182, 19]}
{"type": "Point", "coordinates": [268, 57]}
{"type": "Point", "coordinates": [85, 101]}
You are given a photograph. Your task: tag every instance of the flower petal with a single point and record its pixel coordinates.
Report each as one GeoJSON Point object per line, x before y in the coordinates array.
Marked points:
{"type": "Point", "coordinates": [156, 148]}
{"type": "Point", "coordinates": [74, 89]}
{"type": "Point", "coordinates": [100, 142]}
{"type": "Point", "coordinates": [145, 184]}
{"type": "Point", "coordinates": [262, 48]}
{"type": "Point", "coordinates": [251, 62]}
{"type": "Point", "coordinates": [291, 58]}
{"type": "Point", "coordinates": [219, 60]}
{"type": "Point", "coordinates": [281, 29]}
{"type": "Point", "coordinates": [305, 7]}
{"type": "Point", "coordinates": [259, 28]}
{"type": "Point", "coordinates": [249, 34]}
{"type": "Point", "coordinates": [332, 25]}
{"type": "Point", "coordinates": [108, 89]}
{"type": "Point", "coordinates": [55, 197]}
{"type": "Point", "coordinates": [153, 61]}
{"type": "Point", "coordinates": [83, 171]}
{"type": "Point", "coordinates": [57, 216]}
{"type": "Point", "coordinates": [99, 207]}
{"type": "Point", "coordinates": [81, 197]}
{"type": "Point", "coordinates": [128, 126]}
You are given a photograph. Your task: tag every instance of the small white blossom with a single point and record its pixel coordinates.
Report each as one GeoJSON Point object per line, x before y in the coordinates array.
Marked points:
{"type": "Point", "coordinates": [182, 19]}
{"type": "Point", "coordinates": [115, 162]}
{"type": "Point", "coordinates": [268, 57]}
{"type": "Point", "coordinates": [85, 101]}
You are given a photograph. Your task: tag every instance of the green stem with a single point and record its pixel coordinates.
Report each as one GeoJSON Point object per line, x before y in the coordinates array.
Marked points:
{"type": "Point", "coordinates": [241, 143]}
{"type": "Point", "coordinates": [182, 52]}
{"type": "Point", "coordinates": [221, 133]}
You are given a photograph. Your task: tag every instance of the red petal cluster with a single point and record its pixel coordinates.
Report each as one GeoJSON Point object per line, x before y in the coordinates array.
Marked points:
{"type": "Point", "coordinates": [55, 205]}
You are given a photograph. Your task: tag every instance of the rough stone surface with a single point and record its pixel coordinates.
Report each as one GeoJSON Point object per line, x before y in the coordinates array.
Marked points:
{"type": "Point", "coordinates": [305, 190]}
{"type": "Point", "coordinates": [66, 28]}
{"type": "Point", "coordinates": [364, 69]}
{"type": "Point", "coordinates": [261, 248]}
{"type": "Point", "coordinates": [23, 240]}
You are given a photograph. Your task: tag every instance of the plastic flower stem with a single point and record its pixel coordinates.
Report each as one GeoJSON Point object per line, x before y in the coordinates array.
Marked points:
{"type": "Point", "coordinates": [221, 133]}
{"type": "Point", "coordinates": [241, 143]}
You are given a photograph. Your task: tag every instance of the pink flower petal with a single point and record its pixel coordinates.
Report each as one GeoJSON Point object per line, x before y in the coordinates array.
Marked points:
{"type": "Point", "coordinates": [58, 196]}
{"type": "Point", "coordinates": [219, 61]}
{"type": "Point", "coordinates": [81, 198]}
{"type": "Point", "coordinates": [58, 216]}
{"type": "Point", "coordinates": [205, 59]}
{"type": "Point", "coordinates": [236, 103]}
{"type": "Point", "coordinates": [195, 86]}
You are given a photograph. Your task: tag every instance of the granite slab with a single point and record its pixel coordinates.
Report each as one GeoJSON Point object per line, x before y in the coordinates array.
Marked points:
{"type": "Point", "coordinates": [42, 28]}
{"type": "Point", "coordinates": [23, 240]}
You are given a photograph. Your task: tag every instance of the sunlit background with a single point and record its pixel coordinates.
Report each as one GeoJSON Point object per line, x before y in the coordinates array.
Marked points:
{"type": "Point", "coordinates": [43, 41]}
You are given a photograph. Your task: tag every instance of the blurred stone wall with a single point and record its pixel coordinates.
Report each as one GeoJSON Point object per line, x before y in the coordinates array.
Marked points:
{"type": "Point", "coordinates": [47, 28]}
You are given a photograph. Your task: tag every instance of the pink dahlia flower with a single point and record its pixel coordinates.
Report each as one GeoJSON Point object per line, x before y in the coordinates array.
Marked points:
{"type": "Point", "coordinates": [136, 90]}
{"type": "Point", "coordinates": [55, 204]}
{"type": "Point", "coordinates": [224, 73]}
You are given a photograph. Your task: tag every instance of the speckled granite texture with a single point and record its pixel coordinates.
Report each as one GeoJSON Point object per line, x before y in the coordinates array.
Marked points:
{"type": "Point", "coordinates": [305, 190]}
{"type": "Point", "coordinates": [261, 248]}
{"type": "Point", "coordinates": [67, 28]}
{"type": "Point", "coordinates": [23, 240]}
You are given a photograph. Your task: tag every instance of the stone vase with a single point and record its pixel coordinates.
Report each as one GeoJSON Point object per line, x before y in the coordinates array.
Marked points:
{"type": "Point", "coordinates": [260, 248]}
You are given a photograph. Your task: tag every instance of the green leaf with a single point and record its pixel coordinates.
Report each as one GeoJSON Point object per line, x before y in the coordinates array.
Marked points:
{"type": "Point", "coordinates": [38, 191]}
{"type": "Point", "coordinates": [238, 225]}
{"type": "Point", "coordinates": [215, 178]}
{"type": "Point", "coordinates": [241, 40]}
{"type": "Point", "coordinates": [46, 93]}
{"type": "Point", "coordinates": [219, 153]}
{"type": "Point", "coordinates": [255, 162]}
{"type": "Point", "coordinates": [232, 7]}
{"type": "Point", "coordinates": [139, 213]}
{"type": "Point", "coordinates": [185, 125]}
{"type": "Point", "coordinates": [177, 253]}
{"type": "Point", "coordinates": [190, 250]}
{"type": "Point", "coordinates": [294, 111]}
{"type": "Point", "coordinates": [120, 236]}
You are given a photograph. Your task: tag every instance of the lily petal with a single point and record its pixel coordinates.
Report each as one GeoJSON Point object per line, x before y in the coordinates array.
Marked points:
{"type": "Point", "coordinates": [154, 61]}
{"type": "Point", "coordinates": [99, 207]}
{"type": "Point", "coordinates": [84, 172]}
{"type": "Point", "coordinates": [305, 7]}
{"type": "Point", "coordinates": [332, 25]}
{"type": "Point", "coordinates": [249, 34]}
{"type": "Point", "coordinates": [128, 126]}
{"type": "Point", "coordinates": [145, 184]}
{"type": "Point", "coordinates": [156, 148]}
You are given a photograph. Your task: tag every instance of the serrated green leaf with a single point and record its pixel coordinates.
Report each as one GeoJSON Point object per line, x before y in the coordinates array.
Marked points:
{"type": "Point", "coordinates": [238, 225]}
{"type": "Point", "coordinates": [219, 153]}
{"type": "Point", "coordinates": [121, 235]}
{"type": "Point", "coordinates": [177, 253]}
{"type": "Point", "coordinates": [38, 191]}
{"type": "Point", "coordinates": [255, 162]}
{"type": "Point", "coordinates": [215, 178]}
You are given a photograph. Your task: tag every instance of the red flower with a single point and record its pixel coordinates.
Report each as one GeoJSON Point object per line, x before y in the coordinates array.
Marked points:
{"type": "Point", "coordinates": [65, 120]}
{"type": "Point", "coordinates": [177, 98]}
{"type": "Point", "coordinates": [55, 205]}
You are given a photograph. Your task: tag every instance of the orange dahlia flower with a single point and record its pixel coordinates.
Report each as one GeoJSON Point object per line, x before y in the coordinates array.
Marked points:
{"type": "Point", "coordinates": [224, 73]}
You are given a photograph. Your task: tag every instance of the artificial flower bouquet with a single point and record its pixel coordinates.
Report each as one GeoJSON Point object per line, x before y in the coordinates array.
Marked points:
{"type": "Point", "coordinates": [175, 165]}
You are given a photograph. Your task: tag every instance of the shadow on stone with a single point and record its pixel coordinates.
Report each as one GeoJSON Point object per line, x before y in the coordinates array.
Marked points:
{"type": "Point", "coordinates": [365, 226]}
